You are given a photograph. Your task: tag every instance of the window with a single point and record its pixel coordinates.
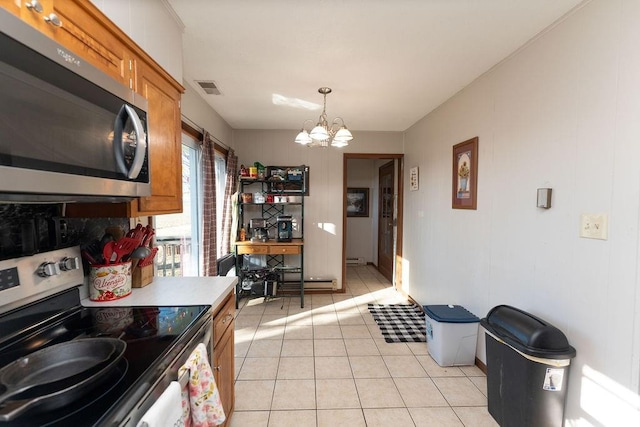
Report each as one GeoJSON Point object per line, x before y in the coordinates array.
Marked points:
{"type": "Point", "coordinates": [177, 235]}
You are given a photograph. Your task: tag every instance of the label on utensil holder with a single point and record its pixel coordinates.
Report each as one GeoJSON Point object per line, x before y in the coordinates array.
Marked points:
{"type": "Point", "coordinates": [110, 282]}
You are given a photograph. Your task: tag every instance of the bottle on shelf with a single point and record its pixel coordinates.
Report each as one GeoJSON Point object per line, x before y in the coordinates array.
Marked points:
{"type": "Point", "coordinates": [243, 234]}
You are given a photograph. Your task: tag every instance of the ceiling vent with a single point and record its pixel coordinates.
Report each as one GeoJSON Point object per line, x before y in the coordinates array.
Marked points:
{"type": "Point", "coordinates": [209, 86]}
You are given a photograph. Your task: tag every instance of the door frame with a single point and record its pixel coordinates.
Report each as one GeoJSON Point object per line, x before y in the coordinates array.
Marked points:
{"type": "Point", "coordinates": [397, 283]}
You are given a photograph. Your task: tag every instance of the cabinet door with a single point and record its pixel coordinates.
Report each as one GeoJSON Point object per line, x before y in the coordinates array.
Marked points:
{"type": "Point", "coordinates": [165, 152]}
{"type": "Point", "coordinates": [165, 144]}
{"type": "Point", "coordinates": [82, 29]}
{"type": "Point", "coordinates": [33, 16]}
{"type": "Point", "coordinates": [85, 31]}
{"type": "Point", "coordinates": [224, 370]}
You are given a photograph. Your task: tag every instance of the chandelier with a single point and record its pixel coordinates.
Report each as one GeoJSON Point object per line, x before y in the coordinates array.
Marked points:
{"type": "Point", "coordinates": [324, 134]}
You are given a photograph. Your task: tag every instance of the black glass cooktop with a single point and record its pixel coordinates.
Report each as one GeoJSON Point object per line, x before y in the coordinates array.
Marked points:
{"type": "Point", "coordinates": [152, 335]}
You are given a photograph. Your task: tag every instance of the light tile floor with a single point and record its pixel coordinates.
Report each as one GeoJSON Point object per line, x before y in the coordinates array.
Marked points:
{"type": "Point", "coordinates": [327, 364]}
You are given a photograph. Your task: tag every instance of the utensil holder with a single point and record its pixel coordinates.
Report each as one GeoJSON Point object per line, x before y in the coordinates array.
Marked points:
{"type": "Point", "coordinates": [142, 276]}
{"type": "Point", "coordinates": [110, 282]}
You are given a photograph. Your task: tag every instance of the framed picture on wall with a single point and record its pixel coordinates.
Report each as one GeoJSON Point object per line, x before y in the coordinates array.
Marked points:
{"type": "Point", "coordinates": [357, 202]}
{"type": "Point", "coordinates": [413, 178]}
{"type": "Point", "coordinates": [464, 185]}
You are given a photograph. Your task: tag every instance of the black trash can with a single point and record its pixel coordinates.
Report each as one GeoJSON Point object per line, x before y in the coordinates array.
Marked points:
{"type": "Point", "coordinates": [527, 368]}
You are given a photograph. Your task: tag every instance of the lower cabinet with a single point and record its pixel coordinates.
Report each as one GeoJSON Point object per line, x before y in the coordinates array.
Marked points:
{"type": "Point", "coordinates": [224, 354]}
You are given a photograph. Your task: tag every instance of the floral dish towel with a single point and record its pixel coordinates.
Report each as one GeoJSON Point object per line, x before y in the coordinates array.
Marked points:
{"type": "Point", "coordinates": [201, 402]}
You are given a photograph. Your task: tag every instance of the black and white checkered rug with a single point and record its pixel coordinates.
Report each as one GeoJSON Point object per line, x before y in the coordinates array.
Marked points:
{"type": "Point", "coordinates": [400, 322]}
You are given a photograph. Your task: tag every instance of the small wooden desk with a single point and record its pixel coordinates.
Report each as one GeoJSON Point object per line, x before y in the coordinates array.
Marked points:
{"type": "Point", "coordinates": [273, 248]}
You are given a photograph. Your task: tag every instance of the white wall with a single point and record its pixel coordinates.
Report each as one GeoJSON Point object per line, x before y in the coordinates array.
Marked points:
{"type": "Point", "coordinates": [198, 112]}
{"type": "Point", "coordinates": [564, 113]}
{"type": "Point", "coordinates": [323, 207]}
{"type": "Point", "coordinates": [153, 25]}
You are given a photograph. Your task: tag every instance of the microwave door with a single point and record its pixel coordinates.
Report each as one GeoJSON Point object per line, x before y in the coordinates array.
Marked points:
{"type": "Point", "coordinates": [129, 147]}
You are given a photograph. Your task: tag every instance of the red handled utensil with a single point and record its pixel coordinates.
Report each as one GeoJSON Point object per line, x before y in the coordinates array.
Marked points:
{"type": "Point", "coordinates": [122, 247]}
{"type": "Point", "coordinates": [108, 251]}
{"type": "Point", "coordinates": [133, 231]}
{"type": "Point", "coordinates": [149, 233]}
{"type": "Point", "coordinates": [149, 258]}
{"type": "Point", "coordinates": [138, 233]}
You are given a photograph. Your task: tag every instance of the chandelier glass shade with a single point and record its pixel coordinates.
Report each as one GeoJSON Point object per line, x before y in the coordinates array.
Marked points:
{"type": "Point", "coordinates": [324, 134]}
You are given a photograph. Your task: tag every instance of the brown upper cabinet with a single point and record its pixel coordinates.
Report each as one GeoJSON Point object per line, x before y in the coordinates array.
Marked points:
{"type": "Point", "coordinates": [83, 29]}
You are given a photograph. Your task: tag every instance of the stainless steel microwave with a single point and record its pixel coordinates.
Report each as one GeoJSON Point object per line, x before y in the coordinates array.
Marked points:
{"type": "Point", "coordinates": [68, 131]}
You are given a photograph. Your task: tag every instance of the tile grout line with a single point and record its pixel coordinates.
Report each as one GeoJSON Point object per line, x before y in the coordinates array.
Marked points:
{"type": "Point", "coordinates": [334, 306]}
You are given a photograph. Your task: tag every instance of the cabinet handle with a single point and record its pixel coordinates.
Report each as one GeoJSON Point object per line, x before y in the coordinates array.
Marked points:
{"type": "Point", "coordinates": [34, 5]}
{"type": "Point", "coordinates": [53, 19]}
{"type": "Point", "coordinates": [216, 368]}
{"type": "Point", "coordinates": [227, 318]}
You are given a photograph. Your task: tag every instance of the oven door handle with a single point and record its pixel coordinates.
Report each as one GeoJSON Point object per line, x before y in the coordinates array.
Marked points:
{"type": "Point", "coordinates": [206, 340]}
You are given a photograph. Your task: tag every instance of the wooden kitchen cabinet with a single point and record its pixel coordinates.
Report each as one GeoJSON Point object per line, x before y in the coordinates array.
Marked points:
{"type": "Point", "coordinates": [30, 15]}
{"type": "Point", "coordinates": [165, 141]}
{"type": "Point", "coordinates": [88, 33]}
{"type": "Point", "coordinates": [83, 30]}
{"type": "Point", "coordinates": [224, 354]}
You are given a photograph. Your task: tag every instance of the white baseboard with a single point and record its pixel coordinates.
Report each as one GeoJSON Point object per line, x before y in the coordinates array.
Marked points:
{"type": "Point", "coordinates": [320, 284]}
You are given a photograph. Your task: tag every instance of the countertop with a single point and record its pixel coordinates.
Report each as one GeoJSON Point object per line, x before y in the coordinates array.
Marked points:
{"type": "Point", "coordinates": [175, 291]}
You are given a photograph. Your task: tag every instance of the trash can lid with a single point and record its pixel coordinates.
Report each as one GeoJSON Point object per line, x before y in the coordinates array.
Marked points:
{"type": "Point", "coordinates": [450, 313]}
{"type": "Point", "coordinates": [527, 333]}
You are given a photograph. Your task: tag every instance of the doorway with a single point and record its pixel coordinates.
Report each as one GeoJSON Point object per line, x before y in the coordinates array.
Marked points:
{"type": "Point", "coordinates": [380, 234]}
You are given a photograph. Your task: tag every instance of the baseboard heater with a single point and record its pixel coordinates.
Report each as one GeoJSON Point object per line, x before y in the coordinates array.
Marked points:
{"type": "Point", "coordinates": [320, 284]}
{"type": "Point", "coordinates": [356, 261]}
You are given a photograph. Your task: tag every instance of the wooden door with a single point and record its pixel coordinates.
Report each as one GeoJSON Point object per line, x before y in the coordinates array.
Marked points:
{"type": "Point", "coordinates": [386, 185]}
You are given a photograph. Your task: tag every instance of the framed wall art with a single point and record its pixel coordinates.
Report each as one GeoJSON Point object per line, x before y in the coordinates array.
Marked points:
{"type": "Point", "coordinates": [413, 178]}
{"type": "Point", "coordinates": [357, 202]}
{"type": "Point", "coordinates": [464, 186]}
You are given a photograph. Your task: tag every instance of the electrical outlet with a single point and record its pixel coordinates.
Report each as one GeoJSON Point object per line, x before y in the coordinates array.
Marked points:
{"type": "Point", "coordinates": [593, 226]}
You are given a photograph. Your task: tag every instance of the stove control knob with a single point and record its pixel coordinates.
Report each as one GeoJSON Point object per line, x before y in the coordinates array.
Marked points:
{"type": "Point", "coordinates": [48, 269]}
{"type": "Point", "coordinates": [70, 263]}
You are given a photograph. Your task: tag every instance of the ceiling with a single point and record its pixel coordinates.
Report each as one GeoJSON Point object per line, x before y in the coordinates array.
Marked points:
{"type": "Point", "coordinates": [389, 63]}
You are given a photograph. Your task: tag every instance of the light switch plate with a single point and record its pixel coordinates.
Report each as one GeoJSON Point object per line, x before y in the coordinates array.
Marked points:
{"type": "Point", "coordinates": [544, 198]}
{"type": "Point", "coordinates": [594, 226]}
